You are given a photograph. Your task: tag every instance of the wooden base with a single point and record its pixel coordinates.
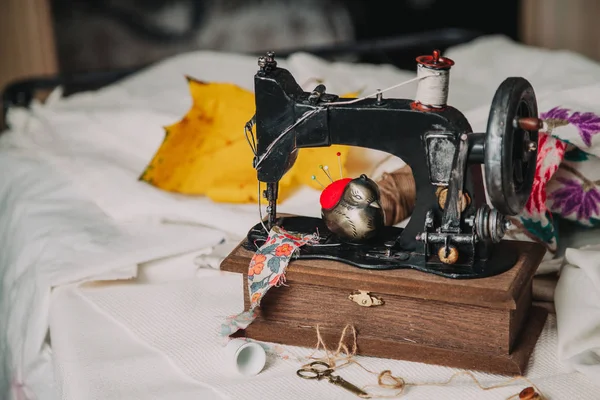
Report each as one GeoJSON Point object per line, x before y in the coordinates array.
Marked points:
{"type": "Point", "coordinates": [513, 364]}
{"type": "Point", "coordinates": [483, 324]}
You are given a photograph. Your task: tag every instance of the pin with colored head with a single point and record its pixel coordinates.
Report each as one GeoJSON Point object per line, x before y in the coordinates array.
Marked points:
{"type": "Point", "coordinates": [326, 171]}
{"type": "Point", "coordinates": [314, 178]}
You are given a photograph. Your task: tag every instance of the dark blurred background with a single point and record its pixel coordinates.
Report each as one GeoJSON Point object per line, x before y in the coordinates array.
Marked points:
{"type": "Point", "coordinates": [83, 44]}
{"type": "Point", "coordinates": [104, 34]}
{"type": "Point", "coordinates": [380, 18]}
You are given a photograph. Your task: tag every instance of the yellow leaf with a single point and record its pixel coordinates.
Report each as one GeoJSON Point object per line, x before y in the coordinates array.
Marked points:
{"type": "Point", "coordinates": [351, 95]}
{"type": "Point", "coordinates": [206, 152]}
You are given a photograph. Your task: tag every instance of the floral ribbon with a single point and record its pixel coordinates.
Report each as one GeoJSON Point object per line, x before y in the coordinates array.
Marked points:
{"type": "Point", "coordinates": [266, 270]}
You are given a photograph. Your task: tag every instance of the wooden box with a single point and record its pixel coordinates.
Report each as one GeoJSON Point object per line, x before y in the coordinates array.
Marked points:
{"type": "Point", "coordinates": [483, 324]}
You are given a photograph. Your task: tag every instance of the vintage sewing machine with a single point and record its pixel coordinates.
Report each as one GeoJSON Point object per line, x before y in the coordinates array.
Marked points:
{"type": "Point", "coordinates": [453, 233]}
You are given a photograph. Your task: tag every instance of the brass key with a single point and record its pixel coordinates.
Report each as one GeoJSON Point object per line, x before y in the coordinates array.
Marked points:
{"type": "Point", "coordinates": [319, 370]}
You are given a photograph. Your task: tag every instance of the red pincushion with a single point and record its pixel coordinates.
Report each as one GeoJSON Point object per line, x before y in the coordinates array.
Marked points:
{"type": "Point", "coordinates": [333, 193]}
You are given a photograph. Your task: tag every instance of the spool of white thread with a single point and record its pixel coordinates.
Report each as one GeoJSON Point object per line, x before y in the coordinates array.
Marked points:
{"type": "Point", "coordinates": [433, 72]}
{"type": "Point", "coordinates": [432, 89]}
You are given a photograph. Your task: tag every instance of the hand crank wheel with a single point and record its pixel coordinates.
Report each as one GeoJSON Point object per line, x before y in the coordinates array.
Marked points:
{"type": "Point", "coordinates": [510, 152]}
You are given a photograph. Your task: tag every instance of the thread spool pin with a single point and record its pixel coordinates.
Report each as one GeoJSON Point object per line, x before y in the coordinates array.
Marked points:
{"type": "Point", "coordinates": [435, 61]}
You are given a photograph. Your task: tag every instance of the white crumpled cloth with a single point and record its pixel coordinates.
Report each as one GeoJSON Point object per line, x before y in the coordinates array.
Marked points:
{"type": "Point", "coordinates": [577, 301]}
{"type": "Point", "coordinates": [156, 337]}
{"type": "Point", "coordinates": [52, 236]}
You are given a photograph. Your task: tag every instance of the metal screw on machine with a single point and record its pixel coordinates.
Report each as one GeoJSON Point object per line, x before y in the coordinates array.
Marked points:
{"type": "Point", "coordinates": [270, 59]}
{"type": "Point", "coordinates": [316, 94]}
{"type": "Point", "coordinates": [470, 220]}
{"type": "Point", "coordinates": [262, 62]}
{"type": "Point", "coordinates": [267, 63]}
{"type": "Point", "coordinates": [388, 247]}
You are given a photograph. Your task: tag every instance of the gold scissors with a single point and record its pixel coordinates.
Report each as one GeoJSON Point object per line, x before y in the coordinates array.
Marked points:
{"type": "Point", "coordinates": [320, 370]}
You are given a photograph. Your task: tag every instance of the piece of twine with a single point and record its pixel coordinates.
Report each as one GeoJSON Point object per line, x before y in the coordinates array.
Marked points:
{"type": "Point", "coordinates": [398, 195]}
{"type": "Point", "coordinates": [345, 354]}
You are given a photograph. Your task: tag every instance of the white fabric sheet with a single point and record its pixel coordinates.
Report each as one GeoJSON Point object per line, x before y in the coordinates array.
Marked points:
{"type": "Point", "coordinates": [74, 211]}
{"type": "Point", "coordinates": [51, 236]}
{"type": "Point", "coordinates": [139, 344]}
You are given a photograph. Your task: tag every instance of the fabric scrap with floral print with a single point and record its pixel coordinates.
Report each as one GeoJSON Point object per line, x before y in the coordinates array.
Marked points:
{"type": "Point", "coordinates": [535, 221]}
{"type": "Point", "coordinates": [266, 270]}
{"type": "Point", "coordinates": [567, 177]}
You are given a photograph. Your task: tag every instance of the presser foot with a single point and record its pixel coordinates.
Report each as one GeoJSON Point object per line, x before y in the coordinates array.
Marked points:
{"type": "Point", "coordinates": [383, 252]}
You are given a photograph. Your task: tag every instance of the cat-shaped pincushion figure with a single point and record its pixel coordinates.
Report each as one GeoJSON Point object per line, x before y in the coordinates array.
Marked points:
{"type": "Point", "coordinates": [351, 209]}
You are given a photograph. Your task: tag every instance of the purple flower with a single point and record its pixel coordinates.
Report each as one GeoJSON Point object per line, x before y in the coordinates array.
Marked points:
{"type": "Point", "coordinates": [556, 113]}
{"type": "Point", "coordinates": [587, 123]}
{"type": "Point", "coordinates": [576, 197]}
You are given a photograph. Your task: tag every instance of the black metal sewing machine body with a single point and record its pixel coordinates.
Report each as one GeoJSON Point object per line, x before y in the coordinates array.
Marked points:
{"type": "Point", "coordinates": [438, 145]}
